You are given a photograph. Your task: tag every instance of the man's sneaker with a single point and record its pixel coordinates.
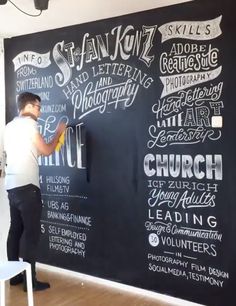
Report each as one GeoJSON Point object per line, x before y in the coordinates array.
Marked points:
{"type": "Point", "coordinates": [38, 286]}
{"type": "Point", "coordinates": [16, 280]}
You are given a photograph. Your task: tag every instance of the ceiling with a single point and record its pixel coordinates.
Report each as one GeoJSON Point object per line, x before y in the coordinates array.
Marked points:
{"type": "Point", "coordinates": [62, 13]}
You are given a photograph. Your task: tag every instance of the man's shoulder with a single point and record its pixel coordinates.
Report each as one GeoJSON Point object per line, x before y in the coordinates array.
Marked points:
{"type": "Point", "coordinates": [21, 122]}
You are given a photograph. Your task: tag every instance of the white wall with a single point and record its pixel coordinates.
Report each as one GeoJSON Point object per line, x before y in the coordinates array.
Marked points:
{"type": "Point", "coordinates": [4, 220]}
{"type": "Point", "coordinates": [62, 13]}
{"type": "Point", "coordinates": [4, 216]}
{"type": "Point", "coordinates": [2, 97]}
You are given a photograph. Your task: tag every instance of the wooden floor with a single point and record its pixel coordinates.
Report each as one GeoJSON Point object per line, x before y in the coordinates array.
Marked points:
{"type": "Point", "coordinates": [72, 291]}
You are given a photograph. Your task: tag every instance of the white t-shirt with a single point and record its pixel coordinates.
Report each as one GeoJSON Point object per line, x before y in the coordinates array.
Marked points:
{"type": "Point", "coordinates": [21, 154]}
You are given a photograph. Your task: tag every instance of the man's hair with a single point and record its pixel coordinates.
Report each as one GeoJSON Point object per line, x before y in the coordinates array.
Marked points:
{"type": "Point", "coordinates": [26, 98]}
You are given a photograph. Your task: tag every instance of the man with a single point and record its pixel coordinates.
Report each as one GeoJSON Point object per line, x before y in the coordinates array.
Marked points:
{"type": "Point", "coordinates": [22, 144]}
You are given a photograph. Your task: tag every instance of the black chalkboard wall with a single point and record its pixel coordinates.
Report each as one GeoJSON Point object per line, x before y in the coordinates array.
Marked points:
{"type": "Point", "coordinates": [143, 191]}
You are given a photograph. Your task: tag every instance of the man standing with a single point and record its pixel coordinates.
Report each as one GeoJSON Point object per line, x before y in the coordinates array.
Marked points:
{"type": "Point", "coordinates": [22, 144]}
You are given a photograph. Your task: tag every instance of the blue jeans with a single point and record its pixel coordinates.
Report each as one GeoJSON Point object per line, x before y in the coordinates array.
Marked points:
{"type": "Point", "coordinates": [25, 213]}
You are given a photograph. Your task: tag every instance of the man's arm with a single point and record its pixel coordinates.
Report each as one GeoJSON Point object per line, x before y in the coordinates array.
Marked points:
{"type": "Point", "coordinates": [47, 148]}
